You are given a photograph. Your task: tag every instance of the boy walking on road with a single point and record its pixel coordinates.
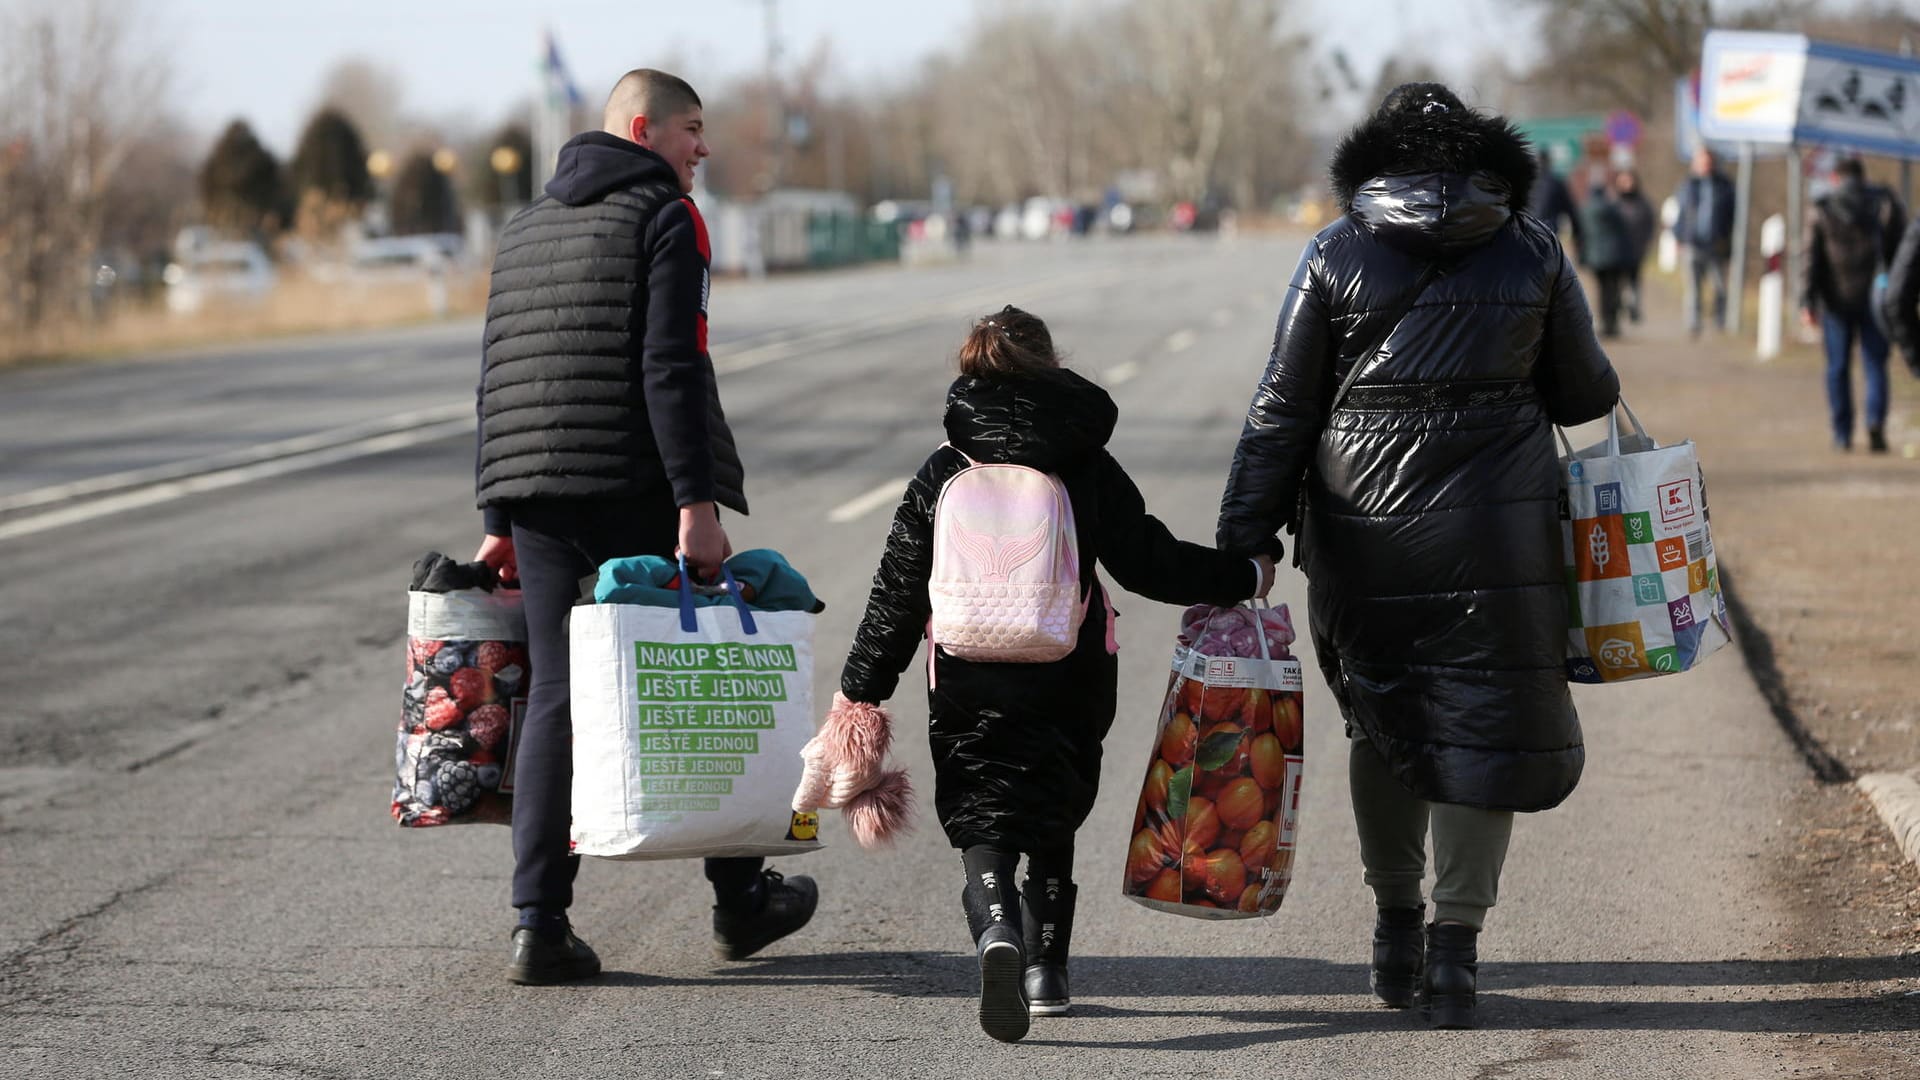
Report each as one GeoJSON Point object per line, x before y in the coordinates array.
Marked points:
{"type": "Point", "coordinates": [601, 437]}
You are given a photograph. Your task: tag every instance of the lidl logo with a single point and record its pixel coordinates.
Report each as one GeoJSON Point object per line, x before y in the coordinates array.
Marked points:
{"type": "Point", "coordinates": [805, 826]}
{"type": "Point", "coordinates": [1676, 501]}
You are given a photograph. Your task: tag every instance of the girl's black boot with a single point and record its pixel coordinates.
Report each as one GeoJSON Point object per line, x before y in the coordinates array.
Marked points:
{"type": "Point", "coordinates": [1453, 970]}
{"type": "Point", "coordinates": [1399, 955]}
{"type": "Point", "coordinates": [1048, 911]}
{"type": "Point", "coordinates": [992, 905]}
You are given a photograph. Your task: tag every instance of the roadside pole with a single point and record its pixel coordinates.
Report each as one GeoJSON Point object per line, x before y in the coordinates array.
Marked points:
{"type": "Point", "coordinates": [1737, 277]}
{"type": "Point", "coordinates": [1773, 240]}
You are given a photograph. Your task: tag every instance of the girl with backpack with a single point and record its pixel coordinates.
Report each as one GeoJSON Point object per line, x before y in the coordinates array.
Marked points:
{"type": "Point", "coordinates": [1020, 696]}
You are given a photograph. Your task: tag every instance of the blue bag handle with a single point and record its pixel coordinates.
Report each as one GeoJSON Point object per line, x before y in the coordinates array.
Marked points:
{"type": "Point", "coordinates": [691, 624]}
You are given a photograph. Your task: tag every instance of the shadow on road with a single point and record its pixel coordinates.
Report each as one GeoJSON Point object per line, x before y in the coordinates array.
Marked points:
{"type": "Point", "coordinates": [1720, 994]}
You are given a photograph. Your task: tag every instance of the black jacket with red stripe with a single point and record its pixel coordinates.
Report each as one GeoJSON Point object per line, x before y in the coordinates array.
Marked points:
{"type": "Point", "coordinates": [595, 379]}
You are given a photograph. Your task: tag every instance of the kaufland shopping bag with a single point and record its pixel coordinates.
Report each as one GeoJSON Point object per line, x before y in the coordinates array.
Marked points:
{"type": "Point", "coordinates": [1213, 831]}
{"type": "Point", "coordinates": [1644, 586]}
{"type": "Point", "coordinates": [687, 729]}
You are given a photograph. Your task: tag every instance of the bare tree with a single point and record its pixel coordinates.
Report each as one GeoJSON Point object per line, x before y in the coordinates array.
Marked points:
{"type": "Point", "coordinates": [78, 88]}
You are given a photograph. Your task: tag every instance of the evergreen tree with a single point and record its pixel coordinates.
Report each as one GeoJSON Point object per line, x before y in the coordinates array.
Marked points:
{"type": "Point", "coordinates": [332, 161]}
{"type": "Point", "coordinates": [422, 199]}
{"type": "Point", "coordinates": [240, 183]}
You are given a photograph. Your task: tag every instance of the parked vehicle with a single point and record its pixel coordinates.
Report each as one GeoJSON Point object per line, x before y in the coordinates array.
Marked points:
{"type": "Point", "coordinates": [213, 275]}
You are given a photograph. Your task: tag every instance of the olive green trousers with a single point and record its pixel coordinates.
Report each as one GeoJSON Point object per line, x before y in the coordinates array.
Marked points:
{"type": "Point", "coordinates": [1469, 844]}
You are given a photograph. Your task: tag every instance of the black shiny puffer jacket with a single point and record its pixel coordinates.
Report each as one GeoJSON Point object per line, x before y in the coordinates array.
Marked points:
{"type": "Point", "coordinates": [1016, 747]}
{"type": "Point", "coordinates": [1432, 539]}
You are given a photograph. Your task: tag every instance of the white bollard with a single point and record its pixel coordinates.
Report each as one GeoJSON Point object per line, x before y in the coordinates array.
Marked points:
{"type": "Point", "coordinates": [1773, 285]}
{"type": "Point", "coordinates": [1669, 248]}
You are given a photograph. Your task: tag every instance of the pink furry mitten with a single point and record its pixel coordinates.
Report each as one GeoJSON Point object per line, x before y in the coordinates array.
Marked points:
{"type": "Point", "coordinates": [845, 769]}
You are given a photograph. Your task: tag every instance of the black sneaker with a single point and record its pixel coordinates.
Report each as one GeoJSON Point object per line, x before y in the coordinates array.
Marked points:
{"type": "Point", "coordinates": [1003, 1001]}
{"type": "Point", "coordinates": [786, 907]}
{"type": "Point", "coordinates": [1876, 441]}
{"type": "Point", "coordinates": [543, 961]}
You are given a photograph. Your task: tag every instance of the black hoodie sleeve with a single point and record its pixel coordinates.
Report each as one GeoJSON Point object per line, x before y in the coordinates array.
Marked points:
{"type": "Point", "coordinates": [1146, 558]}
{"type": "Point", "coordinates": [898, 607]}
{"type": "Point", "coordinates": [675, 372]}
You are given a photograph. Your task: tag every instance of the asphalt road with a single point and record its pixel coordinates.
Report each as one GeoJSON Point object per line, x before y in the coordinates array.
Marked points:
{"type": "Point", "coordinates": [199, 683]}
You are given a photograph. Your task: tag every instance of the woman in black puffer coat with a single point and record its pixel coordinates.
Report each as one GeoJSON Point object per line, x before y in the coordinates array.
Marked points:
{"type": "Point", "coordinates": [1431, 536]}
{"type": "Point", "coordinates": [1016, 746]}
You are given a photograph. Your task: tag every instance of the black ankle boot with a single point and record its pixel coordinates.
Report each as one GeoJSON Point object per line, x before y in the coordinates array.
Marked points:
{"type": "Point", "coordinates": [1048, 916]}
{"type": "Point", "coordinates": [993, 915]}
{"type": "Point", "coordinates": [1399, 955]}
{"type": "Point", "coordinates": [1453, 970]}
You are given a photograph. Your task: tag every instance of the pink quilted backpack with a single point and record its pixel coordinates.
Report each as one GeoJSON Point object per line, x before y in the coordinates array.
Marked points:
{"type": "Point", "coordinates": [1005, 586]}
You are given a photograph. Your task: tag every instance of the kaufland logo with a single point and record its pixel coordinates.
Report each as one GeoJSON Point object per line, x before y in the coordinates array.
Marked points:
{"type": "Point", "coordinates": [1220, 669]}
{"type": "Point", "coordinates": [1676, 501]}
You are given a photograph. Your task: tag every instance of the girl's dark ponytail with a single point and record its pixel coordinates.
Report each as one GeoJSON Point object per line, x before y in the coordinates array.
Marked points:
{"type": "Point", "coordinates": [1008, 342]}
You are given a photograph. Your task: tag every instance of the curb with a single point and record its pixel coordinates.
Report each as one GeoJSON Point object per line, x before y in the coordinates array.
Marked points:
{"type": "Point", "coordinates": [1897, 797]}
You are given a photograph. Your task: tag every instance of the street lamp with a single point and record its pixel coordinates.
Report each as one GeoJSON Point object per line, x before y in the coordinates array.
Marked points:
{"type": "Point", "coordinates": [445, 161]}
{"type": "Point", "coordinates": [506, 163]}
{"type": "Point", "coordinates": [379, 164]}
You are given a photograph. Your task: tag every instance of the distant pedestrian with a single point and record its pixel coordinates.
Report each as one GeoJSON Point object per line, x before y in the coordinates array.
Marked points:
{"type": "Point", "coordinates": [1609, 252]}
{"type": "Point", "coordinates": [1456, 329]}
{"type": "Point", "coordinates": [1549, 200]}
{"type": "Point", "coordinates": [1643, 224]}
{"type": "Point", "coordinates": [1903, 296]}
{"type": "Point", "coordinates": [1016, 745]}
{"type": "Point", "coordinates": [1851, 237]}
{"type": "Point", "coordinates": [601, 436]}
{"type": "Point", "coordinates": [1705, 231]}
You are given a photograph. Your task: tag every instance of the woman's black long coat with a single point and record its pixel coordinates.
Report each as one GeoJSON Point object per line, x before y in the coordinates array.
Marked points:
{"type": "Point", "coordinates": [1432, 541]}
{"type": "Point", "coordinates": [1016, 747]}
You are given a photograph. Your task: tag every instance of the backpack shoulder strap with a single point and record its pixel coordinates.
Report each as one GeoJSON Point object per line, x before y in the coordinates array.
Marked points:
{"type": "Point", "coordinates": [964, 456]}
{"type": "Point", "coordinates": [1427, 274]}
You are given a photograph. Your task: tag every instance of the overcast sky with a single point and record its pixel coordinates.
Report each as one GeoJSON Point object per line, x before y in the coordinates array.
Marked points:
{"type": "Point", "coordinates": [265, 61]}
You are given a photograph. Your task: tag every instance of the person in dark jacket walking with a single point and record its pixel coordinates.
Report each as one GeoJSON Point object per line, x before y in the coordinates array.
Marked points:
{"type": "Point", "coordinates": [1549, 200]}
{"type": "Point", "coordinates": [1705, 229]}
{"type": "Point", "coordinates": [601, 436]}
{"type": "Point", "coordinates": [1851, 236]}
{"type": "Point", "coordinates": [1903, 297]}
{"type": "Point", "coordinates": [1609, 253]}
{"type": "Point", "coordinates": [1424, 502]}
{"type": "Point", "coordinates": [1016, 746]}
{"type": "Point", "coordinates": [1642, 224]}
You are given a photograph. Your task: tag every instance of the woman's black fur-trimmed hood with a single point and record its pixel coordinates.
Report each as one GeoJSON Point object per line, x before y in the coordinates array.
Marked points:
{"type": "Point", "coordinates": [1464, 142]}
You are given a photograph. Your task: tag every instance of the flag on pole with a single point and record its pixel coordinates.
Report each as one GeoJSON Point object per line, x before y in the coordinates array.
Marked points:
{"type": "Point", "coordinates": [558, 80]}
{"type": "Point", "coordinates": [553, 107]}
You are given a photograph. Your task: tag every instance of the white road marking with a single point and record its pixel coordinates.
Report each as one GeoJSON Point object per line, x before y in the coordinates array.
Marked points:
{"type": "Point", "coordinates": [1121, 373]}
{"type": "Point", "coordinates": [1181, 340]}
{"type": "Point", "coordinates": [1223, 316]}
{"type": "Point", "coordinates": [860, 506]}
{"type": "Point", "coordinates": [226, 478]}
{"type": "Point", "coordinates": [251, 455]}
{"type": "Point", "coordinates": [136, 488]}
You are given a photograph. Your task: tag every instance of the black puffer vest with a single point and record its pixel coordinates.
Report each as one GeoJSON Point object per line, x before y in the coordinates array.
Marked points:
{"type": "Point", "coordinates": [564, 405]}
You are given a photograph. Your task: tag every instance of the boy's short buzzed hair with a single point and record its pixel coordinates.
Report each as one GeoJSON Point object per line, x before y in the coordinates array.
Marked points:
{"type": "Point", "coordinates": [649, 93]}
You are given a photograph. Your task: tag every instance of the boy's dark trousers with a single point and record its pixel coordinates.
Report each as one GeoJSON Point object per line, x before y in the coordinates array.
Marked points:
{"type": "Point", "coordinates": [557, 542]}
